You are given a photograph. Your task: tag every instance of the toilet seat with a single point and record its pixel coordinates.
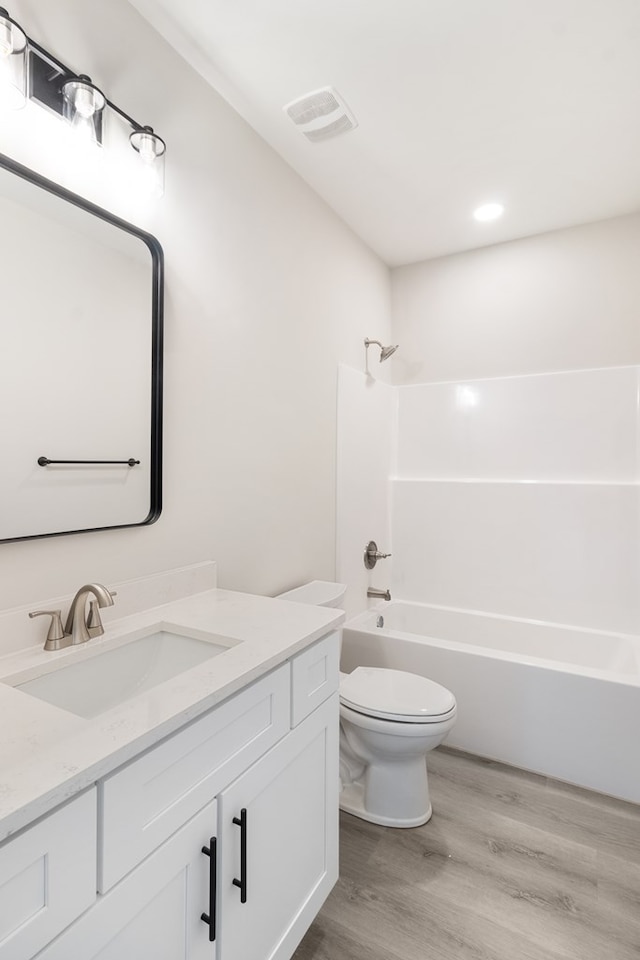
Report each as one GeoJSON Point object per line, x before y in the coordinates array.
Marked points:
{"type": "Point", "coordinates": [396, 695]}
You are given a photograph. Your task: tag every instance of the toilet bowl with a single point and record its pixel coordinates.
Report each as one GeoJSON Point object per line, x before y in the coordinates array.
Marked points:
{"type": "Point", "coordinates": [389, 721]}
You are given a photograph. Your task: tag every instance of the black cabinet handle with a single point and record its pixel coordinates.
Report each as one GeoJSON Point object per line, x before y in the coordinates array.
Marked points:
{"type": "Point", "coordinates": [242, 882]}
{"type": "Point", "coordinates": [210, 918]}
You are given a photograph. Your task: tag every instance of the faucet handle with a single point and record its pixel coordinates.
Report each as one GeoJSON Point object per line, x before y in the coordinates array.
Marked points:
{"type": "Point", "coordinates": [372, 555]}
{"type": "Point", "coordinates": [56, 636]}
{"type": "Point", "coordinates": [94, 623]}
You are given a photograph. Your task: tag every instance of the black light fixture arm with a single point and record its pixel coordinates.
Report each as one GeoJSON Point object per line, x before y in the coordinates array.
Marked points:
{"type": "Point", "coordinates": [70, 74]}
{"type": "Point", "coordinates": [62, 67]}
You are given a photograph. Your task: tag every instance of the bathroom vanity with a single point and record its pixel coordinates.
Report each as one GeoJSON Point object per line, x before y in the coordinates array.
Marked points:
{"type": "Point", "coordinates": [196, 820]}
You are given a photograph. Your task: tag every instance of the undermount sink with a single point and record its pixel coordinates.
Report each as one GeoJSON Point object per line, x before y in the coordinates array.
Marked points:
{"type": "Point", "coordinates": [98, 683]}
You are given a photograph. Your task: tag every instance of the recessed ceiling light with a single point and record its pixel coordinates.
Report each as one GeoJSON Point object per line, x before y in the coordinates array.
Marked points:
{"type": "Point", "coordinates": [488, 211]}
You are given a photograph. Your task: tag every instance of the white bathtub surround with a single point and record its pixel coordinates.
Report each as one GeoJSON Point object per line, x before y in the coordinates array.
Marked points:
{"type": "Point", "coordinates": [544, 697]}
{"type": "Point", "coordinates": [521, 496]}
{"type": "Point", "coordinates": [565, 553]}
{"type": "Point", "coordinates": [518, 495]}
{"type": "Point", "coordinates": [48, 755]}
{"type": "Point", "coordinates": [366, 425]}
{"type": "Point", "coordinates": [580, 425]}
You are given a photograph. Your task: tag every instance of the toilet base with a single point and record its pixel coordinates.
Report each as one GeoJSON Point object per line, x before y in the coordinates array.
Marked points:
{"type": "Point", "coordinates": [352, 801]}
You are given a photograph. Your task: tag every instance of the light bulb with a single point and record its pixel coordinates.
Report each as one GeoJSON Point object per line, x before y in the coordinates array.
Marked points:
{"type": "Point", "coordinates": [151, 150]}
{"type": "Point", "coordinates": [147, 148]}
{"type": "Point", "coordinates": [82, 108]}
{"type": "Point", "coordinates": [6, 39]}
{"type": "Point", "coordinates": [84, 102]}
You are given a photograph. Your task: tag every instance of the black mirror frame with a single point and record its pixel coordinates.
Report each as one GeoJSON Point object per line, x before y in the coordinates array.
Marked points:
{"type": "Point", "coordinates": [157, 342]}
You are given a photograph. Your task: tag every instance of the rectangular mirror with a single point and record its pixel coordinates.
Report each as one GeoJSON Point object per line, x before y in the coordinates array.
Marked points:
{"type": "Point", "coordinates": [81, 297]}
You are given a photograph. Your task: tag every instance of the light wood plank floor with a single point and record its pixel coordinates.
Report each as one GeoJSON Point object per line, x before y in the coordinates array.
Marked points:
{"type": "Point", "coordinates": [512, 866]}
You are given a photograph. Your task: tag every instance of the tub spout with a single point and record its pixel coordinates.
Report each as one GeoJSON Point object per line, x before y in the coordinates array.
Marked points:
{"type": "Point", "coordinates": [374, 594]}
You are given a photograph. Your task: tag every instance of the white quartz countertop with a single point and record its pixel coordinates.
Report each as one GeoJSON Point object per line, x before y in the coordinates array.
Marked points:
{"type": "Point", "coordinates": [47, 754]}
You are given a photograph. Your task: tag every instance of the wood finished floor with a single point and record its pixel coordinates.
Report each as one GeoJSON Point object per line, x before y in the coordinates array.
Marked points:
{"type": "Point", "coordinates": [512, 866]}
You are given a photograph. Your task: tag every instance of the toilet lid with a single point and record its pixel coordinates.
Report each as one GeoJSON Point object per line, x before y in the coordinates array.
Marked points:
{"type": "Point", "coordinates": [395, 694]}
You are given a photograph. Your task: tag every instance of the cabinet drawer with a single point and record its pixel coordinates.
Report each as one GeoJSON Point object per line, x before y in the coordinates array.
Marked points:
{"type": "Point", "coordinates": [315, 675]}
{"type": "Point", "coordinates": [148, 800]}
{"type": "Point", "coordinates": [47, 877]}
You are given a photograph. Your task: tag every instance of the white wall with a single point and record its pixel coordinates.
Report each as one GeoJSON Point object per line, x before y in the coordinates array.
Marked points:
{"type": "Point", "coordinates": [266, 292]}
{"type": "Point", "coordinates": [366, 431]}
{"type": "Point", "coordinates": [559, 301]}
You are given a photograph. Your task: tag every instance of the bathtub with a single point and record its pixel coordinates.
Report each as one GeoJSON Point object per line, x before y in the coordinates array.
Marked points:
{"type": "Point", "coordinates": [557, 700]}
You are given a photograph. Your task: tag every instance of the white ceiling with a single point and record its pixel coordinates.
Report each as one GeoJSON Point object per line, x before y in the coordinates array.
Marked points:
{"type": "Point", "coordinates": [532, 102]}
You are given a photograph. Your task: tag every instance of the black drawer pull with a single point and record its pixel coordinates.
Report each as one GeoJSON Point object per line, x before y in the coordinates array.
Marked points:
{"type": "Point", "coordinates": [242, 882]}
{"type": "Point", "coordinates": [210, 918]}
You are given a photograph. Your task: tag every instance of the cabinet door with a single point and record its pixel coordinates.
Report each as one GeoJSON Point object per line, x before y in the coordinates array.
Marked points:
{"type": "Point", "coordinates": [47, 877]}
{"type": "Point", "coordinates": [290, 799]}
{"type": "Point", "coordinates": [156, 911]}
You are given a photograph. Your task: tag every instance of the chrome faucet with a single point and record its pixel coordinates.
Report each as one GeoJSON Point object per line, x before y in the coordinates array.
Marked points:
{"type": "Point", "coordinates": [79, 627]}
{"type": "Point", "coordinates": [374, 594]}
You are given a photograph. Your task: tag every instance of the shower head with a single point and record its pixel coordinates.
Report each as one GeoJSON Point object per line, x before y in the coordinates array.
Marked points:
{"type": "Point", "coordinates": [385, 352]}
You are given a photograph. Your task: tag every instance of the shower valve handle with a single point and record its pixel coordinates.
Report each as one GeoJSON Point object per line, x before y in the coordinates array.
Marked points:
{"type": "Point", "coordinates": [372, 555]}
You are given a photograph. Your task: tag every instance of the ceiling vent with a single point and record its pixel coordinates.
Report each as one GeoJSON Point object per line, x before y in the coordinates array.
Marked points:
{"type": "Point", "coordinates": [321, 114]}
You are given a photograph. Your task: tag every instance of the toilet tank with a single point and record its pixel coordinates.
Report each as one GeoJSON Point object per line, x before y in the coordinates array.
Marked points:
{"type": "Point", "coordinates": [318, 593]}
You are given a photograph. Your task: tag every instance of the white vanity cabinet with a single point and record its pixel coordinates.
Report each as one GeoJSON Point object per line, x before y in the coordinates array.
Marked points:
{"type": "Point", "coordinates": [255, 781]}
{"type": "Point", "coordinates": [284, 812]}
{"type": "Point", "coordinates": [155, 912]}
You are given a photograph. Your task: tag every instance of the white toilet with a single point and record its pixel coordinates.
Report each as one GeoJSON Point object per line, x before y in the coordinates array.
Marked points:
{"type": "Point", "coordinates": [389, 721]}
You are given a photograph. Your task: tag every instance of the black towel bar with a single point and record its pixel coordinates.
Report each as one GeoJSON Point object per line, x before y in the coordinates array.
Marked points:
{"type": "Point", "coordinates": [45, 462]}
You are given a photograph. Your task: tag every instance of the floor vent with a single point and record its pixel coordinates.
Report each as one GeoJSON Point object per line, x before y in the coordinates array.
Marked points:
{"type": "Point", "coordinates": [321, 114]}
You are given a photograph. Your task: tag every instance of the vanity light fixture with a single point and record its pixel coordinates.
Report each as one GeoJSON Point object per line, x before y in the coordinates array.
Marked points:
{"type": "Point", "coordinates": [13, 63]}
{"type": "Point", "coordinates": [151, 149]}
{"type": "Point", "coordinates": [82, 106]}
{"type": "Point", "coordinates": [488, 212]}
{"type": "Point", "coordinates": [28, 70]}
